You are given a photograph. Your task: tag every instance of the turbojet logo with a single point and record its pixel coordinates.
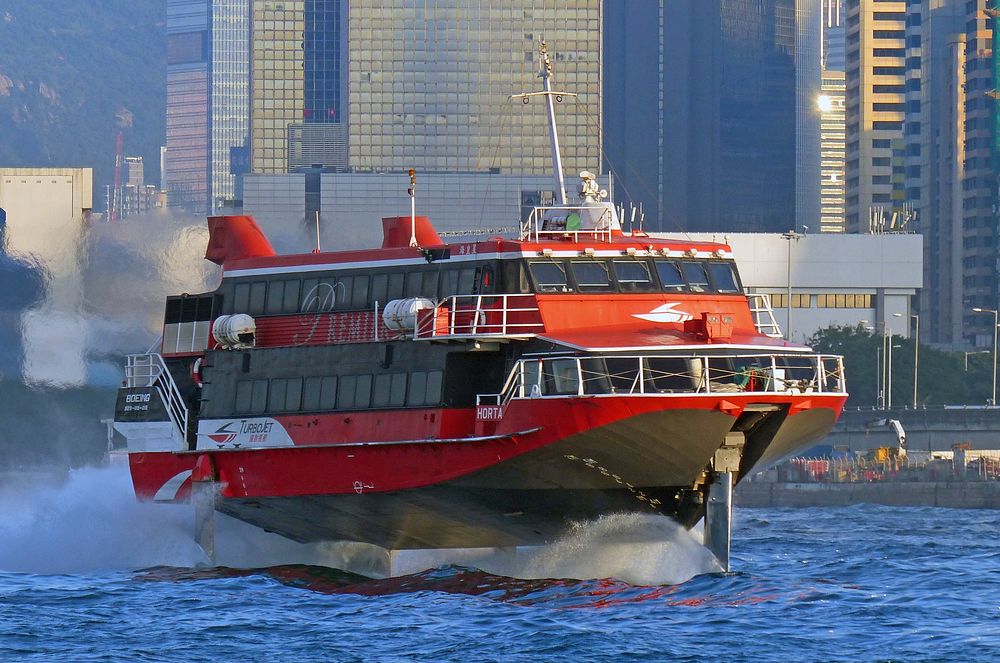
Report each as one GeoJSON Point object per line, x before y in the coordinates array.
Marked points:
{"type": "Point", "coordinates": [240, 433]}
{"type": "Point", "coordinates": [665, 313]}
{"type": "Point", "coordinates": [223, 435]}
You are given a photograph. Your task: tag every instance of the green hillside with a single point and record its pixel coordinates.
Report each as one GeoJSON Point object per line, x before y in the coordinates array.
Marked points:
{"type": "Point", "coordinates": [71, 73]}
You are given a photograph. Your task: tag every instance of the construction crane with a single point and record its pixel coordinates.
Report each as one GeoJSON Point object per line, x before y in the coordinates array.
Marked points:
{"type": "Point", "coordinates": [896, 427]}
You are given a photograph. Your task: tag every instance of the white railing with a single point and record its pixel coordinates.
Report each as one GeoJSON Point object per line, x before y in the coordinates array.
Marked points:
{"type": "Point", "coordinates": [561, 376]}
{"type": "Point", "coordinates": [480, 316]}
{"type": "Point", "coordinates": [148, 370]}
{"type": "Point", "coordinates": [763, 314]}
{"type": "Point", "coordinates": [592, 221]}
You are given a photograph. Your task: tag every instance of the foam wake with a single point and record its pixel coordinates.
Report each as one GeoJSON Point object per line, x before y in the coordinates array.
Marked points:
{"type": "Point", "coordinates": [640, 549]}
{"type": "Point", "coordinates": [90, 521]}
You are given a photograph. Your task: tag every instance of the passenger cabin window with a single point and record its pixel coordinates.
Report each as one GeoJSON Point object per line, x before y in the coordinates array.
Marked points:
{"type": "Point", "coordinates": [359, 293]}
{"type": "Point", "coordinates": [466, 281]}
{"type": "Point", "coordinates": [549, 276]}
{"type": "Point", "coordinates": [380, 288]}
{"type": "Point", "coordinates": [591, 276]}
{"type": "Point", "coordinates": [282, 297]}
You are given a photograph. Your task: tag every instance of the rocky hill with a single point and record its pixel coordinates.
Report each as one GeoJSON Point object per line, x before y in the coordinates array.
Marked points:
{"type": "Point", "coordinates": [74, 72]}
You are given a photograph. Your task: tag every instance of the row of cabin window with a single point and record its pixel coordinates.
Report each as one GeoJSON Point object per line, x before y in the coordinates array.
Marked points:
{"type": "Point", "coordinates": [634, 276]}
{"type": "Point", "coordinates": [352, 292]}
{"type": "Point", "coordinates": [345, 392]}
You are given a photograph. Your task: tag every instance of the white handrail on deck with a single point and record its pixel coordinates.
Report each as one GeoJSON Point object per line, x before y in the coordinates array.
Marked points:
{"type": "Point", "coordinates": [759, 373]}
{"type": "Point", "coordinates": [481, 316]}
{"type": "Point", "coordinates": [149, 370]}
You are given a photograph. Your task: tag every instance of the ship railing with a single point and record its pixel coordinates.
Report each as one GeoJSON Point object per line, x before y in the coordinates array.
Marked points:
{"type": "Point", "coordinates": [572, 222]}
{"type": "Point", "coordinates": [595, 375]}
{"type": "Point", "coordinates": [148, 370]}
{"type": "Point", "coordinates": [763, 314]}
{"type": "Point", "coordinates": [480, 316]}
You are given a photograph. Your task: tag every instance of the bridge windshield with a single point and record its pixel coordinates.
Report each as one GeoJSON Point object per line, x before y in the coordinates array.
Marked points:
{"type": "Point", "coordinates": [638, 275]}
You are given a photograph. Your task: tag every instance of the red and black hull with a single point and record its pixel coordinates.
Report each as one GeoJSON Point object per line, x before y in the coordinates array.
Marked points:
{"type": "Point", "coordinates": [547, 463]}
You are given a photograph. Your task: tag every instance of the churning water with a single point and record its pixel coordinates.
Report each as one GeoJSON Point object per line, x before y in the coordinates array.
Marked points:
{"type": "Point", "coordinates": [86, 573]}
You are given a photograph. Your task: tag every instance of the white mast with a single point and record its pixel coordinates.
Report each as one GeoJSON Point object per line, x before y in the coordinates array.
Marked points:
{"type": "Point", "coordinates": [546, 75]}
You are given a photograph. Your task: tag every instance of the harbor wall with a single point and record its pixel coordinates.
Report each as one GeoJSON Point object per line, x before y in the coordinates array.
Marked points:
{"type": "Point", "coordinates": [951, 494]}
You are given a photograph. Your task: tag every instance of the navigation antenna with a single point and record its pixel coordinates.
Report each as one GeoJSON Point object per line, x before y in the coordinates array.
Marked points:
{"type": "Point", "coordinates": [413, 207]}
{"type": "Point", "coordinates": [546, 75]}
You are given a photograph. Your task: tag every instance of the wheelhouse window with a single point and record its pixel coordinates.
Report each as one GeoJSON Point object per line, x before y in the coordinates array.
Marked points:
{"type": "Point", "coordinates": [723, 277]}
{"type": "Point", "coordinates": [633, 276]}
{"type": "Point", "coordinates": [591, 276]}
{"type": "Point", "coordinates": [549, 276]}
{"type": "Point", "coordinates": [696, 276]}
{"type": "Point", "coordinates": [670, 275]}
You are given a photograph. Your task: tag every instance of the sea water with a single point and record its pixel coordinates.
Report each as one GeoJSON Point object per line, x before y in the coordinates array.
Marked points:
{"type": "Point", "coordinates": [86, 573]}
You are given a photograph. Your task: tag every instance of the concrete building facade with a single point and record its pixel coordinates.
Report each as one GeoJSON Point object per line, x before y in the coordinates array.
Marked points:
{"type": "Point", "coordinates": [836, 279]}
{"type": "Point", "coordinates": [46, 210]}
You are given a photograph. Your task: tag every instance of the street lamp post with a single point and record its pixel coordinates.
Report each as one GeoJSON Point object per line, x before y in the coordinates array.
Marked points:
{"type": "Point", "coordinates": [789, 236]}
{"type": "Point", "coordinates": [883, 356]}
{"type": "Point", "coordinates": [916, 352]}
{"type": "Point", "coordinates": [993, 397]}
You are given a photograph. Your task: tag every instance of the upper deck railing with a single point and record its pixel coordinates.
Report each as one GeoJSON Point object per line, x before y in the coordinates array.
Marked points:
{"type": "Point", "coordinates": [574, 222]}
{"type": "Point", "coordinates": [480, 316]}
{"type": "Point", "coordinates": [644, 375]}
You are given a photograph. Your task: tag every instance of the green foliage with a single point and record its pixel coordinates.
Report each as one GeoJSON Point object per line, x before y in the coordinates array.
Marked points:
{"type": "Point", "coordinates": [69, 69]}
{"type": "Point", "coordinates": [942, 379]}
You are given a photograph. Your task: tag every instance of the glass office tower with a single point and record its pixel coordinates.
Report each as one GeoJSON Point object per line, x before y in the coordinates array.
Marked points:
{"type": "Point", "coordinates": [187, 104]}
{"type": "Point", "coordinates": [429, 83]}
{"type": "Point", "coordinates": [277, 72]}
{"type": "Point", "coordinates": [230, 91]}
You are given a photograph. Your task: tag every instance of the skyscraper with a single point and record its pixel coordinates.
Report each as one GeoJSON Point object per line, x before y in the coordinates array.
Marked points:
{"type": "Point", "coordinates": [876, 74]}
{"type": "Point", "coordinates": [278, 84]}
{"type": "Point", "coordinates": [934, 135]}
{"type": "Point", "coordinates": [207, 99]}
{"type": "Point", "coordinates": [702, 118]}
{"type": "Point", "coordinates": [831, 106]}
{"type": "Point", "coordinates": [229, 94]}
{"type": "Point", "coordinates": [981, 177]}
{"type": "Point", "coordinates": [188, 82]}
{"type": "Point", "coordinates": [832, 146]}
{"type": "Point", "coordinates": [834, 36]}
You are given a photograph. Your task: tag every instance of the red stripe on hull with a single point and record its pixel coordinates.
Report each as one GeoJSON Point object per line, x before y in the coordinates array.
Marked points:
{"type": "Point", "coordinates": [329, 466]}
